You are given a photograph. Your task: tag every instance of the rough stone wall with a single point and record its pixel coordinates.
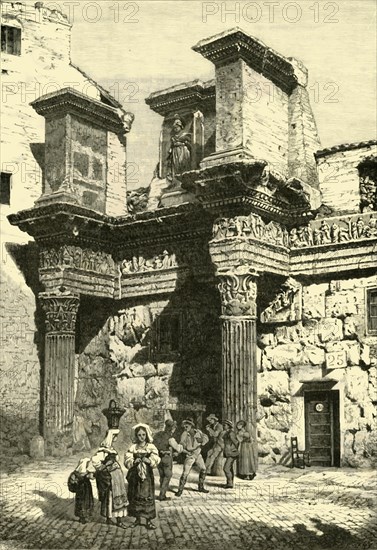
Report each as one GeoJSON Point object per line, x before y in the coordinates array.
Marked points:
{"type": "Point", "coordinates": [117, 358]}
{"type": "Point", "coordinates": [333, 320]}
{"type": "Point", "coordinates": [339, 178]}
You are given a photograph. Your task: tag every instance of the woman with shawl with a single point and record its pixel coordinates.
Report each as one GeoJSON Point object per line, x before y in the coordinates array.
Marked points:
{"type": "Point", "coordinates": [140, 459]}
{"type": "Point", "coordinates": [79, 483]}
{"type": "Point", "coordinates": [111, 486]}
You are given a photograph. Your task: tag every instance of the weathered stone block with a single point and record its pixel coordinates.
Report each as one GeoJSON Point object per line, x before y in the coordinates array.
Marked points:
{"type": "Point", "coordinates": [351, 416]}
{"type": "Point", "coordinates": [131, 389]}
{"type": "Point", "coordinates": [279, 417]}
{"type": "Point", "coordinates": [37, 447]}
{"type": "Point", "coordinates": [330, 329]}
{"type": "Point", "coordinates": [314, 355]}
{"type": "Point", "coordinates": [356, 387]}
{"type": "Point", "coordinates": [314, 302]}
{"type": "Point", "coordinates": [372, 383]}
{"type": "Point", "coordinates": [266, 339]}
{"type": "Point", "coordinates": [156, 387]}
{"type": "Point", "coordinates": [284, 355]}
{"type": "Point", "coordinates": [353, 352]}
{"type": "Point", "coordinates": [165, 369]}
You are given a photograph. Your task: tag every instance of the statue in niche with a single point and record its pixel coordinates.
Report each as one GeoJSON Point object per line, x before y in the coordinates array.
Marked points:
{"type": "Point", "coordinates": [179, 155]}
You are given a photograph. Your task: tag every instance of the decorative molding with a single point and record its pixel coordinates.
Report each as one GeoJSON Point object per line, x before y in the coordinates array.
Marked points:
{"type": "Point", "coordinates": [238, 292]}
{"type": "Point", "coordinates": [250, 227]}
{"type": "Point", "coordinates": [327, 231]}
{"type": "Point", "coordinates": [69, 100]}
{"type": "Point", "coordinates": [188, 95]}
{"type": "Point", "coordinates": [286, 306]}
{"type": "Point", "coordinates": [61, 310]}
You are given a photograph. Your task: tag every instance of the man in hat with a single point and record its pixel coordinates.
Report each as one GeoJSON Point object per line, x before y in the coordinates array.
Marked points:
{"type": "Point", "coordinates": [215, 429]}
{"type": "Point", "coordinates": [231, 452]}
{"type": "Point", "coordinates": [166, 444]}
{"type": "Point", "coordinates": [192, 441]}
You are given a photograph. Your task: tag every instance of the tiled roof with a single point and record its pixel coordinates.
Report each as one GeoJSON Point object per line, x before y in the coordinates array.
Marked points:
{"type": "Point", "coordinates": [345, 147]}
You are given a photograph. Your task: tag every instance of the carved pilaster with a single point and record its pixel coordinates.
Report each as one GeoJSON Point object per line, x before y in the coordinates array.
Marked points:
{"type": "Point", "coordinates": [238, 291]}
{"type": "Point", "coordinates": [59, 365]}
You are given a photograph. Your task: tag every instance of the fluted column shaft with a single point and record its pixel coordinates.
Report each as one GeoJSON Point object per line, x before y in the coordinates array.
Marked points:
{"type": "Point", "coordinates": [238, 291]}
{"type": "Point", "coordinates": [59, 365]}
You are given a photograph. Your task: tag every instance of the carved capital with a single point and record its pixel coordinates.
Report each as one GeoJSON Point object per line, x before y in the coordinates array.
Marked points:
{"type": "Point", "coordinates": [61, 310]}
{"type": "Point", "coordinates": [238, 292]}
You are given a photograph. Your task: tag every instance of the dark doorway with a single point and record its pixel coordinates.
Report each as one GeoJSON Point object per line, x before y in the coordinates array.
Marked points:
{"type": "Point", "coordinates": [322, 431]}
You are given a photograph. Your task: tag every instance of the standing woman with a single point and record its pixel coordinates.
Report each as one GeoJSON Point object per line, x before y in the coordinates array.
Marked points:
{"type": "Point", "coordinates": [140, 459]}
{"type": "Point", "coordinates": [112, 492]}
{"type": "Point", "coordinates": [246, 463]}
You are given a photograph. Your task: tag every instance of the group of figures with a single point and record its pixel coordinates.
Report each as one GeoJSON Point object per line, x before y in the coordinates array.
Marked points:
{"type": "Point", "coordinates": [339, 231]}
{"type": "Point", "coordinates": [136, 498]}
{"type": "Point", "coordinates": [250, 226]}
{"type": "Point", "coordinates": [79, 258]}
{"type": "Point", "coordinates": [140, 264]}
{"type": "Point", "coordinates": [253, 226]}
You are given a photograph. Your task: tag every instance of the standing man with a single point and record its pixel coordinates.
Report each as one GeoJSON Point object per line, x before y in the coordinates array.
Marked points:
{"type": "Point", "coordinates": [166, 444]}
{"type": "Point", "coordinates": [192, 441]}
{"type": "Point", "coordinates": [231, 453]}
{"type": "Point", "coordinates": [215, 429]}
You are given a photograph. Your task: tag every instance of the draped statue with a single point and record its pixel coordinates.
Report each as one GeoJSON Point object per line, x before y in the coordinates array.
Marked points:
{"type": "Point", "coordinates": [179, 155]}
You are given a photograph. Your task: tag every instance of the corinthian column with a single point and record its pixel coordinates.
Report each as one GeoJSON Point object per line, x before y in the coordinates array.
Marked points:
{"type": "Point", "coordinates": [238, 291]}
{"type": "Point", "coordinates": [59, 365]}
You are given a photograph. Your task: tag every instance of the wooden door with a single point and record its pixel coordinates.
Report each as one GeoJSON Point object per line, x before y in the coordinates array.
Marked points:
{"type": "Point", "coordinates": [322, 427]}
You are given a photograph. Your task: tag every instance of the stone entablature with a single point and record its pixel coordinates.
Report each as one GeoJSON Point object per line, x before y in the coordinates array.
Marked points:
{"type": "Point", "coordinates": [188, 95]}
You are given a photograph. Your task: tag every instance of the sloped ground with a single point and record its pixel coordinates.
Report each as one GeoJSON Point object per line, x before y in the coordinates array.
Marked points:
{"type": "Point", "coordinates": [282, 509]}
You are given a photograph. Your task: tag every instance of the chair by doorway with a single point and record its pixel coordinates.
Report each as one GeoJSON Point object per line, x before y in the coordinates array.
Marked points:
{"type": "Point", "coordinates": [300, 459]}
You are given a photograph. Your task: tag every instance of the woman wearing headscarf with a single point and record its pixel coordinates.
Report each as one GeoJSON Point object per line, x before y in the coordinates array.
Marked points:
{"type": "Point", "coordinates": [112, 492]}
{"type": "Point", "coordinates": [79, 483]}
{"type": "Point", "coordinates": [140, 459]}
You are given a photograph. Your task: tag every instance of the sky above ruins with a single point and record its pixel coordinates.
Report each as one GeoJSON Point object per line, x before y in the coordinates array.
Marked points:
{"type": "Point", "coordinates": [135, 48]}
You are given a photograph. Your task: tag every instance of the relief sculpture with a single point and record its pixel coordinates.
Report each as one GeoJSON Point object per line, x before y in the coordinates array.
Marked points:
{"type": "Point", "coordinates": [251, 226]}
{"type": "Point", "coordinates": [79, 258]}
{"type": "Point", "coordinates": [336, 230]}
{"type": "Point", "coordinates": [286, 306]}
{"type": "Point", "coordinates": [139, 264]}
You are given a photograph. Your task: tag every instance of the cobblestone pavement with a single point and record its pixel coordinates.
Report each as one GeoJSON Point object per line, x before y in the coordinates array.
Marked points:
{"type": "Point", "coordinates": [282, 509]}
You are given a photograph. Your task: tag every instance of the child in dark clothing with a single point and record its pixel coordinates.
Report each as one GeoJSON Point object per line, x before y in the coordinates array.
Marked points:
{"type": "Point", "coordinates": [79, 483]}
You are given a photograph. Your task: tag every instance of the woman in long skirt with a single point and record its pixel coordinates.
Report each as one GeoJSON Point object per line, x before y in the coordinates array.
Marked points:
{"type": "Point", "coordinates": [79, 483]}
{"type": "Point", "coordinates": [246, 463]}
{"type": "Point", "coordinates": [112, 492]}
{"type": "Point", "coordinates": [140, 460]}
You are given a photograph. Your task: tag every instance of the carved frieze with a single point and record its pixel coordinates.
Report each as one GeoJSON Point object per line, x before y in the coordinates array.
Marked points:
{"type": "Point", "coordinates": [238, 292]}
{"type": "Point", "coordinates": [368, 184]}
{"type": "Point", "coordinates": [286, 306]}
{"type": "Point", "coordinates": [61, 310]}
{"type": "Point", "coordinates": [251, 226]}
{"type": "Point", "coordinates": [69, 256]}
{"type": "Point", "coordinates": [138, 264]}
{"type": "Point", "coordinates": [334, 230]}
